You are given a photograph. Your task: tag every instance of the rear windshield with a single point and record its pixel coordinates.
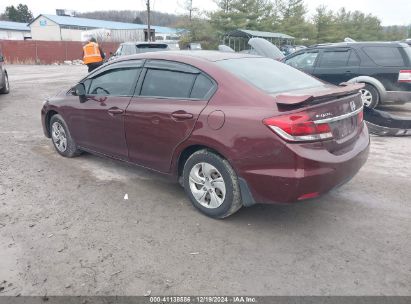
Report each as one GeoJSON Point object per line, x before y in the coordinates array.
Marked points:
{"type": "Point", "coordinates": [269, 75]}
{"type": "Point", "coordinates": [152, 46]}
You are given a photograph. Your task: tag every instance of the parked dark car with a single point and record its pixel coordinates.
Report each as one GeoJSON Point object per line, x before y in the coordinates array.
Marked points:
{"type": "Point", "coordinates": [234, 129]}
{"type": "Point", "coordinates": [384, 67]}
{"type": "Point", "coordinates": [4, 78]}
{"type": "Point", "coordinates": [131, 48]}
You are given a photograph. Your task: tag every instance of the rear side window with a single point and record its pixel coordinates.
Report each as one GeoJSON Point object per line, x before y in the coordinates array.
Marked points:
{"type": "Point", "coordinates": [171, 84]}
{"type": "Point", "coordinates": [116, 82]}
{"type": "Point", "coordinates": [335, 58]}
{"type": "Point", "coordinates": [384, 55]}
{"type": "Point", "coordinates": [202, 87]}
{"type": "Point", "coordinates": [408, 52]}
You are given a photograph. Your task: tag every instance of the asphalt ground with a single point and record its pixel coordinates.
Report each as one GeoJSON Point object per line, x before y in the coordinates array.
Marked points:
{"type": "Point", "coordinates": [65, 228]}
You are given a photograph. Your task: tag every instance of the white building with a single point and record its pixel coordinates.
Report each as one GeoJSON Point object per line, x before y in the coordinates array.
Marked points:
{"type": "Point", "coordinates": [68, 28]}
{"type": "Point", "coordinates": [14, 30]}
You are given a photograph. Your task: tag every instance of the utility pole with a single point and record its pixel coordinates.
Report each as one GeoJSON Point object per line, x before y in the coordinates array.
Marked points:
{"type": "Point", "coordinates": [190, 8]}
{"type": "Point", "coordinates": [148, 21]}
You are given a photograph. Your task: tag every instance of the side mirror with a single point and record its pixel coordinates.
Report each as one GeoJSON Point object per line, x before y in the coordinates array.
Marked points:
{"type": "Point", "coordinates": [80, 91]}
{"type": "Point", "coordinates": [1, 58]}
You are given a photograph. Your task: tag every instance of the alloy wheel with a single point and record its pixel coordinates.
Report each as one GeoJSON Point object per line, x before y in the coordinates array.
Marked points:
{"type": "Point", "coordinates": [207, 185]}
{"type": "Point", "coordinates": [59, 136]}
{"type": "Point", "coordinates": [366, 97]}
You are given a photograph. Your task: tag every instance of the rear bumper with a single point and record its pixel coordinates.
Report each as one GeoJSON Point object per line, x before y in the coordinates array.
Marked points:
{"type": "Point", "coordinates": [310, 177]}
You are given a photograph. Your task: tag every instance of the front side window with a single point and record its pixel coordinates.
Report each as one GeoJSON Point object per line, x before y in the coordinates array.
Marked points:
{"type": "Point", "coordinates": [171, 84]}
{"type": "Point", "coordinates": [269, 75]}
{"type": "Point", "coordinates": [115, 82]}
{"type": "Point", "coordinates": [303, 61]}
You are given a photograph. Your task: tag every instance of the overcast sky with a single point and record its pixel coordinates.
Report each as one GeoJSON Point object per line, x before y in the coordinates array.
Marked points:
{"type": "Point", "coordinates": [391, 12]}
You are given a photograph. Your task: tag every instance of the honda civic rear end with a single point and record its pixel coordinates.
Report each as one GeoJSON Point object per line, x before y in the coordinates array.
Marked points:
{"type": "Point", "coordinates": [309, 136]}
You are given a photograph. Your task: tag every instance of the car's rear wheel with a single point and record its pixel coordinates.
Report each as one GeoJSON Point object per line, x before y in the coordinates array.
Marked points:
{"type": "Point", "coordinates": [6, 87]}
{"type": "Point", "coordinates": [370, 96]}
{"type": "Point", "coordinates": [211, 184]}
{"type": "Point", "coordinates": [61, 137]}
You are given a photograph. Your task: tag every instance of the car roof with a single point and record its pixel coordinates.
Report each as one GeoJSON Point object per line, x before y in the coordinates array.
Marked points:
{"type": "Point", "coordinates": [188, 55]}
{"type": "Point", "coordinates": [358, 44]}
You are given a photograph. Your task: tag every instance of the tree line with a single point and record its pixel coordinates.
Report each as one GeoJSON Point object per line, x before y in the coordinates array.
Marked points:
{"type": "Point", "coordinates": [292, 17]}
{"type": "Point", "coordinates": [285, 16]}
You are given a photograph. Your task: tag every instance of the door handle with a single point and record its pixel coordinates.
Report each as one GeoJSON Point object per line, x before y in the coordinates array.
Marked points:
{"type": "Point", "coordinates": [115, 111]}
{"type": "Point", "coordinates": [182, 115]}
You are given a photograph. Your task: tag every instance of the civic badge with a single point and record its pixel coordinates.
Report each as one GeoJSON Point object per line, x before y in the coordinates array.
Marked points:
{"type": "Point", "coordinates": [352, 105]}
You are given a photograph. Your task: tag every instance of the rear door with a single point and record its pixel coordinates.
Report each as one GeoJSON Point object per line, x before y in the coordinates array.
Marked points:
{"type": "Point", "coordinates": [164, 110]}
{"type": "Point", "coordinates": [387, 61]}
{"type": "Point", "coordinates": [98, 122]}
{"type": "Point", "coordinates": [337, 65]}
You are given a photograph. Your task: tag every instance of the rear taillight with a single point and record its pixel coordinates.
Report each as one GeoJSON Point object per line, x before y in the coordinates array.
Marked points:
{"type": "Point", "coordinates": [360, 118]}
{"type": "Point", "coordinates": [404, 76]}
{"type": "Point", "coordinates": [298, 127]}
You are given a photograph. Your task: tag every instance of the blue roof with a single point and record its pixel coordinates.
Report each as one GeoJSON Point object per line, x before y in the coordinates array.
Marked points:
{"type": "Point", "coordinates": [14, 26]}
{"type": "Point", "coordinates": [111, 25]}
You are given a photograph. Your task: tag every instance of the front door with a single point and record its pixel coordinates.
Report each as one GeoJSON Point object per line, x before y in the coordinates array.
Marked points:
{"type": "Point", "coordinates": [99, 122]}
{"type": "Point", "coordinates": [164, 115]}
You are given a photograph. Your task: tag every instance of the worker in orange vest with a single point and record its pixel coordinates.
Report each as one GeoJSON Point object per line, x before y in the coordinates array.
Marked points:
{"type": "Point", "coordinates": [93, 55]}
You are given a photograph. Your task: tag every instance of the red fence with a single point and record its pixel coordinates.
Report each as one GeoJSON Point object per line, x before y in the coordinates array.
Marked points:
{"type": "Point", "coordinates": [46, 52]}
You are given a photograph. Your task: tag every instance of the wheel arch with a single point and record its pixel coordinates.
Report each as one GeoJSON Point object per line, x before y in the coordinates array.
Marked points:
{"type": "Point", "coordinates": [47, 120]}
{"type": "Point", "coordinates": [372, 81]}
{"type": "Point", "coordinates": [187, 151]}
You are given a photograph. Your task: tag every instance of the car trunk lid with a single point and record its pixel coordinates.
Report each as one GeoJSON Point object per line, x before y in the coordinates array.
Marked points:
{"type": "Point", "coordinates": [332, 115]}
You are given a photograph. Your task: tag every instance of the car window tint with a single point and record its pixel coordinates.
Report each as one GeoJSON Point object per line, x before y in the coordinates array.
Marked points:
{"type": "Point", "coordinates": [269, 75]}
{"type": "Point", "coordinates": [87, 83]}
{"type": "Point", "coordinates": [337, 58]}
{"type": "Point", "coordinates": [202, 87]}
{"type": "Point", "coordinates": [162, 83]}
{"type": "Point", "coordinates": [384, 55]}
{"type": "Point", "coordinates": [303, 61]}
{"type": "Point", "coordinates": [354, 60]}
{"type": "Point", "coordinates": [408, 53]}
{"type": "Point", "coordinates": [116, 82]}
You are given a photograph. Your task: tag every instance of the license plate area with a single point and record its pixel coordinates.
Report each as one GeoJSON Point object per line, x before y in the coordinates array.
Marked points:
{"type": "Point", "coordinates": [344, 127]}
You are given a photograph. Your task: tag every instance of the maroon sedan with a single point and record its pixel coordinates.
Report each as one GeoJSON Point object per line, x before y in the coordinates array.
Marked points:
{"type": "Point", "coordinates": [234, 129]}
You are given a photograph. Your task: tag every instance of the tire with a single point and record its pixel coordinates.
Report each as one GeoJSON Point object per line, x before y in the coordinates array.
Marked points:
{"type": "Point", "coordinates": [61, 138]}
{"type": "Point", "coordinates": [6, 88]}
{"type": "Point", "coordinates": [370, 96]}
{"type": "Point", "coordinates": [211, 184]}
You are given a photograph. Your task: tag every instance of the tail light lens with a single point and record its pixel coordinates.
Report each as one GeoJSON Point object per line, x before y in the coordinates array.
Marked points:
{"type": "Point", "coordinates": [298, 127]}
{"type": "Point", "coordinates": [360, 118]}
{"type": "Point", "coordinates": [404, 76]}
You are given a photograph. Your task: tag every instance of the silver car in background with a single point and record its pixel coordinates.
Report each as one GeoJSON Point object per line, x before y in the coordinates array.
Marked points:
{"type": "Point", "coordinates": [4, 78]}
